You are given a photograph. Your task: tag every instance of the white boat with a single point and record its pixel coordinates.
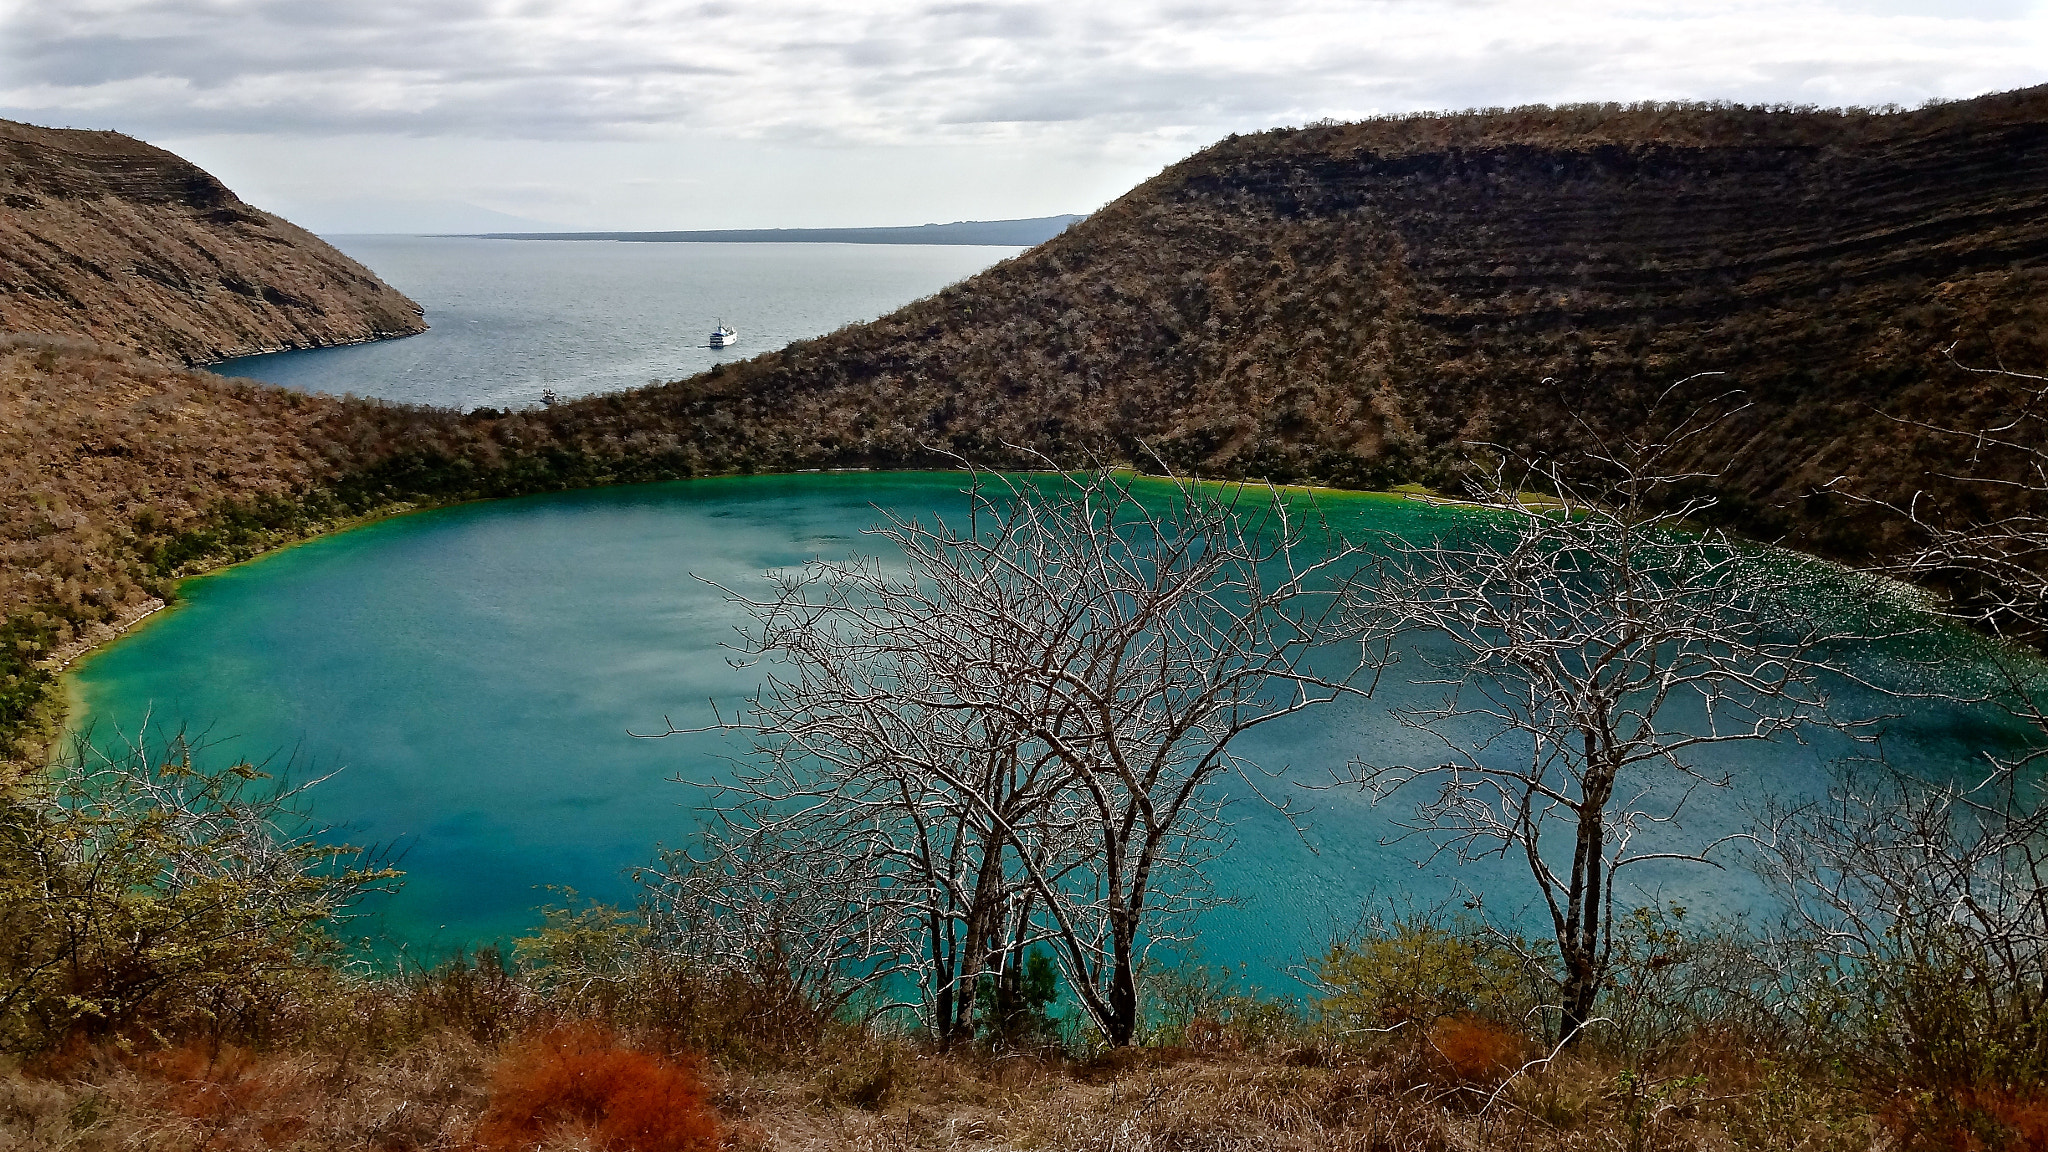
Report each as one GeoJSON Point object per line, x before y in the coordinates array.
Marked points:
{"type": "Point", "coordinates": [722, 336]}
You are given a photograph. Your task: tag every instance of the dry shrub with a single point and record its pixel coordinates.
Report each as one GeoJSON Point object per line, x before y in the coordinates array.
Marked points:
{"type": "Point", "coordinates": [1475, 1050]}
{"type": "Point", "coordinates": [1969, 1120]}
{"type": "Point", "coordinates": [75, 1057]}
{"type": "Point", "coordinates": [756, 1020]}
{"type": "Point", "coordinates": [1208, 1034]}
{"type": "Point", "coordinates": [210, 1082]}
{"type": "Point", "coordinates": [579, 1076]}
{"type": "Point", "coordinates": [867, 1077]}
{"type": "Point", "coordinates": [477, 994]}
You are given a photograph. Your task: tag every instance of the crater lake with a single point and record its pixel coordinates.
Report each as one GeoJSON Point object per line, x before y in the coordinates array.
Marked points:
{"type": "Point", "coordinates": [474, 672]}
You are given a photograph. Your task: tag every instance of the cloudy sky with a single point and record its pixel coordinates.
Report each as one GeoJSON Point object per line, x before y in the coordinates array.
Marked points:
{"type": "Point", "coordinates": [458, 114]}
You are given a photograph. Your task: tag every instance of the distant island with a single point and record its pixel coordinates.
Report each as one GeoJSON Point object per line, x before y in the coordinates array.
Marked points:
{"type": "Point", "coordinates": [1023, 233]}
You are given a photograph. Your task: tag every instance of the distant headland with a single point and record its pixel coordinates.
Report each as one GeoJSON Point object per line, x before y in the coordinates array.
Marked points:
{"type": "Point", "coordinates": [1023, 233]}
{"type": "Point", "coordinates": [108, 239]}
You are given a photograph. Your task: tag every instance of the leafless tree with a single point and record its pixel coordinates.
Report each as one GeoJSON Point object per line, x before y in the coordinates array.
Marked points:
{"type": "Point", "coordinates": [856, 763]}
{"type": "Point", "coordinates": [1920, 916]}
{"type": "Point", "coordinates": [1598, 641]}
{"type": "Point", "coordinates": [1029, 723]}
{"type": "Point", "coordinates": [1925, 900]}
{"type": "Point", "coordinates": [1991, 551]}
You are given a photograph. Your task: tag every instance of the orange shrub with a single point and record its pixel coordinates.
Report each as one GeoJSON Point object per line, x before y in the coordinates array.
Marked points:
{"type": "Point", "coordinates": [629, 1100]}
{"type": "Point", "coordinates": [2023, 1119]}
{"type": "Point", "coordinates": [210, 1082]}
{"type": "Point", "coordinates": [1969, 1120]}
{"type": "Point", "coordinates": [1475, 1050]}
{"type": "Point", "coordinates": [1205, 1033]}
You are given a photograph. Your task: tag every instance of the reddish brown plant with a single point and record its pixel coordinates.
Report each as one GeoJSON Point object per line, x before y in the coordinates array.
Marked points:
{"type": "Point", "coordinates": [579, 1076]}
{"type": "Point", "coordinates": [1476, 1051]}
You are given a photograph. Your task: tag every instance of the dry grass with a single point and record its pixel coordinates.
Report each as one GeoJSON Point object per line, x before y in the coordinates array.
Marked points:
{"type": "Point", "coordinates": [583, 1088]}
{"type": "Point", "coordinates": [228, 1100]}
{"type": "Point", "coordinates": [1280, 1099]}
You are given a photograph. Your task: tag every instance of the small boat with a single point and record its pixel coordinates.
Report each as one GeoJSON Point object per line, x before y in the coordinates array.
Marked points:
{"type": "Point", "coordinates": [722, 336]}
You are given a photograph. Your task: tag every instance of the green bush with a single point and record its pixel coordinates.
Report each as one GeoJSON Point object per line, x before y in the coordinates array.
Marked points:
{"type": "Point", "coordinates": [140, 894]}
{"type": "Point", "coordinates": [1416, 969]}
{"type": "Point", "coordinates": [1023, 1007]}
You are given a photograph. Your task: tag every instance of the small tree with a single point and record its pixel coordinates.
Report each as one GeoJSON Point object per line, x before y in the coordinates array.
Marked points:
{"type": "Point", "coordinates": [793, 918]}
{"type": "Point", "coordinates": [1922, 904]}
{"type": "Point", "coordinates": [1597, 642]}
{"type": "Point", "coordinates": [140, 890]}
{"type": "Point", "coordinates": [1027, 729]}
{"type": "Point", "coordinates": [1920, 911]}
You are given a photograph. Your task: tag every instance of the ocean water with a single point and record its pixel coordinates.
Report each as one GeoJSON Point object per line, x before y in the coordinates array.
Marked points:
{"type": "Point", "coordinates": [474, 674]}
{"type": "Point", "coordinates": [511, 319]}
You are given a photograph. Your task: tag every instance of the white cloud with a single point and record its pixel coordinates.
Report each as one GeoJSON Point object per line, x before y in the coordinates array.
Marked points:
{"type": "Point", "coordinates": [1127, 85]}
{"type": "Point", "coordinates": [869, 73]}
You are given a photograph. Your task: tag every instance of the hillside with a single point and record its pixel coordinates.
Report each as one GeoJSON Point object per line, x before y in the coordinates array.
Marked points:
{"type": "Point", "coordinates": [1345, 303]}
{"type": "Point", "coordinates": [1350, 302]}
{"type": "Point", "coordinates": [107, 238]}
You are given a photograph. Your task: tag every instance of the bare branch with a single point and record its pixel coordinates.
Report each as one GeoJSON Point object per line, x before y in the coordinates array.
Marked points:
{"type": "Point", "coordinates": [1020, 734]}
{"type": "Point", "coordinates": [1597, 642]}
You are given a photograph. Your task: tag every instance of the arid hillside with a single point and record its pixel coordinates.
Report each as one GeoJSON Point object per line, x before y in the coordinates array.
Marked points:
{"type": "Point", "coordinates": [107, 238]}
{"type": "Point", "coordinates": [1344, 303]}
{"type": "Point", "coordinates": [1350, 302]}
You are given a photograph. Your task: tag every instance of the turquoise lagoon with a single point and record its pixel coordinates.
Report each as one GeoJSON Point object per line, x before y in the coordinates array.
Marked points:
{"type": "Point", "coordinates": [471, 676]}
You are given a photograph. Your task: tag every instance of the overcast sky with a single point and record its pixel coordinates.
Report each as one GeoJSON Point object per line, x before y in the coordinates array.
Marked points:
{"type": "Point", "coordinates": [436, 114]}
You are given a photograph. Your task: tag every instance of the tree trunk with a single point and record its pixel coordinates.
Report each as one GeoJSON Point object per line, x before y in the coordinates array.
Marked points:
{"type": "Point", "coordinates": [1581, 990]}
{"type": "Point", "coordinates": [1580, 946]}
{"type": "Point", "coordinates": [1123, 989]}
{"type": "Point", "coordinates": [974, 951]}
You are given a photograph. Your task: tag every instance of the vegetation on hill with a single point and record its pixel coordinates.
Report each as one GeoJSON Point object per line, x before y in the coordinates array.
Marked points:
{"type": "Point", "coordinates": [1350, 303]}
{"type": "Point", "coordinates": [107, 238]}
{"type": "Point", "coordinates": [1347, 303]}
